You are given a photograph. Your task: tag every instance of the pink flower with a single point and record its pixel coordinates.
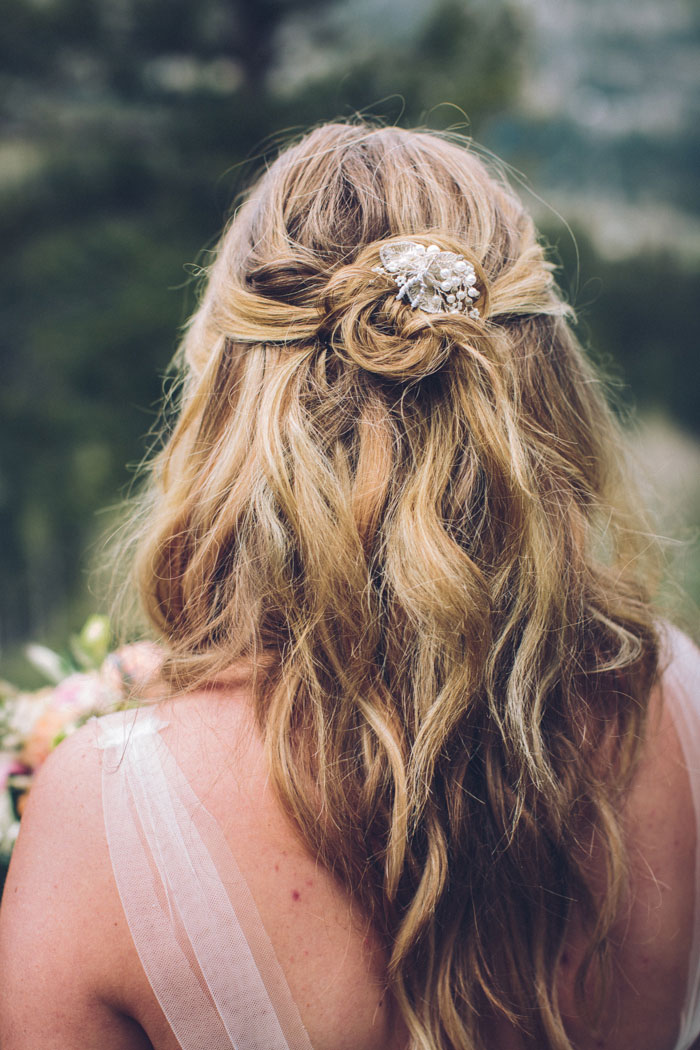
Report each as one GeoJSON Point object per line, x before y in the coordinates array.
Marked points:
{"type": "Point", "coordinates": [52, 723]}
{"type": "Point", "coordinates": [83, 693]}
{"type": "Point", "coordinates": [62, 710]}
{"type": "Point", "coordinates": [8, 766]}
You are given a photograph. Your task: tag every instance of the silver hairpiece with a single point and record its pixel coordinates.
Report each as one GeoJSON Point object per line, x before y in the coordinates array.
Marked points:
{"type": "Point", "coordinates": [430, 279]}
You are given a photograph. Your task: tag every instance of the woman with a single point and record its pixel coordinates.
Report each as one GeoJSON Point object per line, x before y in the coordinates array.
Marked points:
{"type": "Point", "coordinates": [419, 722]}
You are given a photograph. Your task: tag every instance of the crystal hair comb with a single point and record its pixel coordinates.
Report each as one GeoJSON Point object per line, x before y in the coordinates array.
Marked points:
{"type": "Point", "coordinates": [430, 279]}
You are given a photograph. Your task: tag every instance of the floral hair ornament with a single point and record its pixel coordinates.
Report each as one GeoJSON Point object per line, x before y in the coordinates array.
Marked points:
{"type": "Point", "coordinates": [430, 279]}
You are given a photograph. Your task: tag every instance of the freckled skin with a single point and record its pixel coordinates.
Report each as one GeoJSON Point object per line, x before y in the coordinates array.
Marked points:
{"type": "Point", "coordinates": [106, 1002]}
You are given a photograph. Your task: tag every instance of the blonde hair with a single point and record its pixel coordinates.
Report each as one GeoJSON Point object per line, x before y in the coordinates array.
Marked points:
{"type": "Point", "coordinates": [420, 520]}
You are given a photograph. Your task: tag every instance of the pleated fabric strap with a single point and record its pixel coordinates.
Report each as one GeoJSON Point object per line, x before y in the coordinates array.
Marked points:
{"type": "Point", "coordinates": [199, 936]}
{"type": "Point", "coordinates": [683, 678]}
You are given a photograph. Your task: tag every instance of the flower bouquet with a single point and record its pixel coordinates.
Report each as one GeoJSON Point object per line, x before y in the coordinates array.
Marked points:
{"type": "Point", "coordinates": [89, 680]}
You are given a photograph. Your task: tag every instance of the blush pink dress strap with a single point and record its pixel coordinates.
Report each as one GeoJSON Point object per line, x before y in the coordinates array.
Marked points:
{"type": "Point", "coordinates": [191, 915]}
{"type": "Point", "coordinates": [682, 681]}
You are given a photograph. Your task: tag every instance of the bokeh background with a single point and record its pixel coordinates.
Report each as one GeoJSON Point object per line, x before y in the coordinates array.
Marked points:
{"type": "Point", "coordinates": [127, 127]}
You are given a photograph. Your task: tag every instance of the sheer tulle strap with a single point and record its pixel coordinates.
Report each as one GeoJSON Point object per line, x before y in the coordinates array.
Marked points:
{"type": "Point", "coordinates": [211, 966]}
{"type": "Point", "coordinates": [683, 679]}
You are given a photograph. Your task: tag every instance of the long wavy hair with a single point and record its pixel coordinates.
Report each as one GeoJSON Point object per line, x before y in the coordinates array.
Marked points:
{"type": "Point", "coordinates": [420, 525]}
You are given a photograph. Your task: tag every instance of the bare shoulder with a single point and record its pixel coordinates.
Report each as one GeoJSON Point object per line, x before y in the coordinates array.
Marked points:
{"type": "Point", "coordinates": [661, 820]}
{"type": "Point", "coordinates": [69, 962]}
{"type": "Point", "coordinates": [652, 940]}
{"type": "Point", "coordinates": [57, 862]}
{"type": "Point", "coordinates": [60, 911]}
{"type": "Point", "coordinates": [660, 816]}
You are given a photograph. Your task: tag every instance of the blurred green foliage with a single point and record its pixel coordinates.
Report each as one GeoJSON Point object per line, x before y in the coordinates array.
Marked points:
{"type": "Point", "coordinates": [127, 129]}
{"type": "Point", "coordinates": [638, 321]}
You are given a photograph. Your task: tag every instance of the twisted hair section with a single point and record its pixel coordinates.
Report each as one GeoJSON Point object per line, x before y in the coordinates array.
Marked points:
{"type": "Point", "coordinates": [422, 521]}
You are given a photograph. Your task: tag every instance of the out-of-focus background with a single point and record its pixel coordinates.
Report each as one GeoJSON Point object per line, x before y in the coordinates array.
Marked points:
{"type": "Point", "coordinates": [128, 126]}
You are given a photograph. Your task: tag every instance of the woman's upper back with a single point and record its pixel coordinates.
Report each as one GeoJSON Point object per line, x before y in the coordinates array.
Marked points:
{"type": "Point", "coordinates": [64, 919]}
{"type": "Point", "coordinates": [335, 967]}
{"type": "Point", "coordinates": [331, 958]}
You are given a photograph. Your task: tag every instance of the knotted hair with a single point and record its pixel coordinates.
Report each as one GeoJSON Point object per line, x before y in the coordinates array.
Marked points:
{"type": "Point", "coordinates": [423, 522]}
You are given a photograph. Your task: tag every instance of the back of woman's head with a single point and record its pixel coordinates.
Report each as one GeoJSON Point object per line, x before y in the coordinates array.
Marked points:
{"type": "Point", "coordinates": [418, 516]}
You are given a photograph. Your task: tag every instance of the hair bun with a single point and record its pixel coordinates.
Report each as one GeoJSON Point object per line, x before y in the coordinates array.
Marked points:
{"type": "Point", "coordinates": [366, 323]}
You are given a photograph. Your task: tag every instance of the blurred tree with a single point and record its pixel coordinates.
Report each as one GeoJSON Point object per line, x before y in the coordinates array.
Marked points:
{"type": "Point", "coordinates": [634, 314]}
{"type": "Point", "coordinates": [463, 57]}
{"type": "Point", "coordinates": [124, 128]}
{"type": "Point", "coordinates": [124, 117]}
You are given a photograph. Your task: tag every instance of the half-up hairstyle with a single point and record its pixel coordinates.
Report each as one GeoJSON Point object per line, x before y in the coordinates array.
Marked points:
{"type": "Point", "coordinates": [421, 521]}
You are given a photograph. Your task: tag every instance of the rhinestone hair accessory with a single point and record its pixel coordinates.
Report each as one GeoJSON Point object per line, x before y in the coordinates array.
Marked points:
{"type": "Point", "coordinates": [430, 279]}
